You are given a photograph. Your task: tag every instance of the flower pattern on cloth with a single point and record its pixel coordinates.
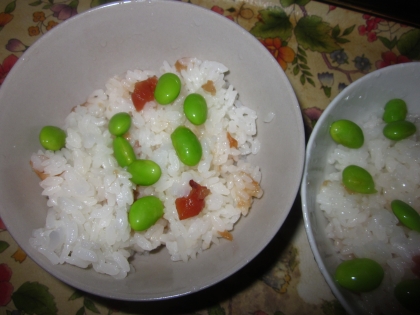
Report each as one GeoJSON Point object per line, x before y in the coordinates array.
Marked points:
{"type": "Point", "coordinates": [6, 288]}
{"type": "Point", "coordinates": [282, 54]}
{"type": "Point", "coordinates": [321, 48]}
{"type": "Point", "coordinates": [6, 66]}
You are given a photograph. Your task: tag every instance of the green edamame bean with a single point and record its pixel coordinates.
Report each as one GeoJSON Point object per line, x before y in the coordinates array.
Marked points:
{"type": "Point", "coordinates": [399, 130]}
{"type": "Point", "coordinates": [407, 292]}
{"type": "Point", "coordinates": [123, 151]}
{"type": "Point", "coordinates": [52, 138]}
{"type": "Point", "coordinates": [347, 133]}
{"type": "Point", "coordinates": [119, 124]}
{"type": "Point", "coordinates": [144, 172]}
{"type": "Point", "coordinates": [359, 275]}
{"type": "Point", "coordinates": [395, 110]}
{"type": "Point", "coordinates": [144, 212]}
{"type": "Point", "coordinates": [358, 180]}
{"type": "Point", "coordinates": [195, 108]}
{"type": "Point", "coordinates": [406, 214]}
{"type": "Point", "coordinates": [187, 146]}
{"type": "Point", "coordinates": [167, 88]}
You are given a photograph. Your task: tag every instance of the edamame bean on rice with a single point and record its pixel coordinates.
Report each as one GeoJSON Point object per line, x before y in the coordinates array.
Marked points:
{"type": "Point", "coordinates": [89, 195]}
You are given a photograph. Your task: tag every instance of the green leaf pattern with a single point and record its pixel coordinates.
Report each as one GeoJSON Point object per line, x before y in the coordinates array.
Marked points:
{"type": "Point", "coordinates": [10, 7]}
{"type": "Point", "coordinates": [311, 35]}
{"type": "Point", "coordinates": [409, 44]}
{"type": "Point", "coordinates": [314, 34]}
{"type": "Point", "coordinates": [3, 246]}
{"type": "Point", "coordinates": [34, 298]}
{"type": "Point", "coordinates": [88, 303]}
{"type": "Point", "coordinates": [274, 22]}
{"type": "Point", "coordinates": [287, 3]}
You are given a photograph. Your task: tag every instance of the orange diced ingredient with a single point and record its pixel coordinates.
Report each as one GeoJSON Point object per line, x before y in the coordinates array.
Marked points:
{"type": "Point", "coordinates": [40, 174]}
{"type": "Point", "coordinates": [144, 92]}
{"type": "Point", "coordinates": [253, 191]}
{"type": "Point", "coordinates": [192, 205]}
{"type": "Point", "coordinates": [179, 66]}
{"type": "Point", "coordinates": [233, 143]}
{"type": "Point", "coordinates": [226, 234]}
{"type": "Point", "coordinates": [209, 87]}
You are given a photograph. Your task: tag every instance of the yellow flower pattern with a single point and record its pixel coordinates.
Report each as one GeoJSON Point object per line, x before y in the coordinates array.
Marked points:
{"type": "Point", "coordinates": [33, 30]}
{"type": "Point", "coordinates": [51, 24]}
{"type": "Point", "coordinates": [19, 255]}
{"type": "Point", "coordinates": [38, 16]}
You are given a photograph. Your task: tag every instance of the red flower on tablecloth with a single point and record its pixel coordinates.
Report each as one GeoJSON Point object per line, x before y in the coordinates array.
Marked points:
{"type": "Point", "coordinates": [64, 11]}
{"type": "Point", "coordinates": [221, 11]}
{"type": "Point", "coordinates": [371, 37]}
{"type": "Point", "coordinates": [6, 288]}
{"type": "Point", "coordinates": [371, 22]}
{"type": "Point", "coordinates": [2, 225]}
{"type": "Point", "coordinates": [5, 18]}
{"type": "Point", "coordinates": [390, 58]}
{"type": "Point", "coordinates": [331, 8]}
{"type": "Point", "coordinates": [363, 30]}
{"type": "Point", "coordinates": [370, 27]}
{"type": "Point", "coordinates": [283, 54]}
{"type": "Point", "coordinates": [6, 66]}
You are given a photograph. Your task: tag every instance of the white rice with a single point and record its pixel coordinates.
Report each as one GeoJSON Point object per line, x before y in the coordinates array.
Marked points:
{"type": "Point", "coordinates": [363, 225]}
{"type": "Point", "coordinates": [89, 195]}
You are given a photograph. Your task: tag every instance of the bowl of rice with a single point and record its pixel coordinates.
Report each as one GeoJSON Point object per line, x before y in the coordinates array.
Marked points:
{"type": "Point", "coordinates": [175, 200]}
{"type": "Point", "coordinates": [366, 247]}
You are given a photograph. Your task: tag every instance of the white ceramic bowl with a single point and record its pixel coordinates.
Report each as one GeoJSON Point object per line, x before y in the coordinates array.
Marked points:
{"type": "Point", "coordinates": [360, 99]}
{"type": "Point", "coordinates": [77, 57]}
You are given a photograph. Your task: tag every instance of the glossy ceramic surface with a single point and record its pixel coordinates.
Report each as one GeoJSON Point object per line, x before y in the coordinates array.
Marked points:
{"type": "Point", "coordinates": [361, 98]}
{"type": "Point", "coordinates": [62, 68]}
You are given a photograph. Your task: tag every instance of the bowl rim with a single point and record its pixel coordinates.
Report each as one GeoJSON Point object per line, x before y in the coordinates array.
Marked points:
{"type": "Point", "coordinates": [295, 105]}
{"type": "Point", "coordinates": [307, 222]}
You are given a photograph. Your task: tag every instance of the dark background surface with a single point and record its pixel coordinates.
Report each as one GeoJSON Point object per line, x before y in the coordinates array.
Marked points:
{"type": "Point", "coordinates": [402, 11]}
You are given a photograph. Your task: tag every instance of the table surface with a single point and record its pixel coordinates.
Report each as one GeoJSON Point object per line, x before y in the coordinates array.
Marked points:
{"type": "Point", "coordinates": [343, 45]}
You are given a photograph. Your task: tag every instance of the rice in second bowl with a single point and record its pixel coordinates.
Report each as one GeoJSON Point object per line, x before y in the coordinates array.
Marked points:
{"type": "Point", "coordinates": [89, 195]}
{"type": "Point", "coordinates": [363, 225]}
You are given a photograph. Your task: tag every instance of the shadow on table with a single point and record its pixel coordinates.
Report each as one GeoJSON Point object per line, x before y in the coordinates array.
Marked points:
{"type": "Point", "coordinates": [225, 289]}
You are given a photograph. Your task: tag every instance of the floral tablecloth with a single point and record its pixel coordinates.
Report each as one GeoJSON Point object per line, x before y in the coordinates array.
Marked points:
{"type": "Point", "coordinates": [322, 49]}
